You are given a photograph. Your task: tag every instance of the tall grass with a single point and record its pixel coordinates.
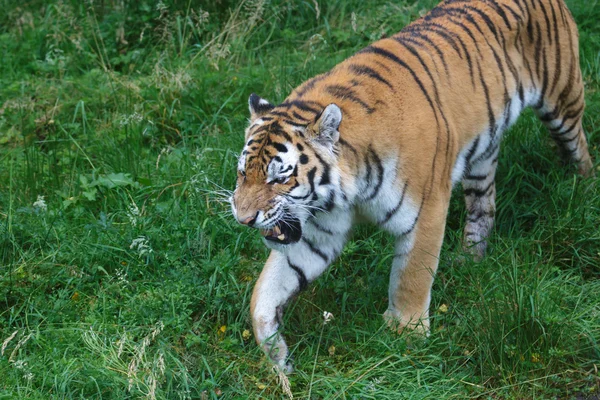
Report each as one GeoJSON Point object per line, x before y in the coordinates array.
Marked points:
{"type": "Point", "coordinates": [123, 275]}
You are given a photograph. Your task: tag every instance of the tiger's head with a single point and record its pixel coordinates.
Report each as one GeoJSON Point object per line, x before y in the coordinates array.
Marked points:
{"type": "Point", "coordinates": [286, 171]}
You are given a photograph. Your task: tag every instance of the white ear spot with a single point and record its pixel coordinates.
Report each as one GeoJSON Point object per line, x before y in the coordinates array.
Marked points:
{"type": "Point", "coordinates": [258, 106]}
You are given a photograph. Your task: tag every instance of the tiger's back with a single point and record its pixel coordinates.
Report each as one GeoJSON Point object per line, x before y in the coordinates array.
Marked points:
{"type": "Point", "coordinates": [386, 134]}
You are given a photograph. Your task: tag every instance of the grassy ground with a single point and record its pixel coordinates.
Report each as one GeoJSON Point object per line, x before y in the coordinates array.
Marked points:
{"type": "Point", "coordinates": [122, 273]}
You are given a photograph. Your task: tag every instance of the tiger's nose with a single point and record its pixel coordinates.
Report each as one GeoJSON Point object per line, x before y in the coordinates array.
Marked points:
{"type": "Point", "coordinates": [248, 220]}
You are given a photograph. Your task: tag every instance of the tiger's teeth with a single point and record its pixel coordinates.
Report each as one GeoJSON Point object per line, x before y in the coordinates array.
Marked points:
{"type": "Point", "coordinates": [281, 237]}
{"type": "Point", "coordinates": [276, 230]}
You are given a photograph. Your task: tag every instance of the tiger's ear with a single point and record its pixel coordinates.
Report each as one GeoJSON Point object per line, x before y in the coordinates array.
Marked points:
{"type": "Point", "coordinates": [327, 124]}
{"type": "Point", "coordinates": [258, 106]}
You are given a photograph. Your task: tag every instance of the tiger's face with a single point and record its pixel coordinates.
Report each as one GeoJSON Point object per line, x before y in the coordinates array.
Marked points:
{"type": "Point", "coordinates": [284, 171]}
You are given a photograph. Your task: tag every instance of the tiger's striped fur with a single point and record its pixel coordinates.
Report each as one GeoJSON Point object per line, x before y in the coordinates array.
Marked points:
{"type": "Point", "coordinates": [386, 134]}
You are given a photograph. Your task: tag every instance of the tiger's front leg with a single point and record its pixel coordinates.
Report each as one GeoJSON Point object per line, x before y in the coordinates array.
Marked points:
{"type": "Point", "coordinates": [415, 263]}
{"type": "Point", "coordinates": [287, 272]}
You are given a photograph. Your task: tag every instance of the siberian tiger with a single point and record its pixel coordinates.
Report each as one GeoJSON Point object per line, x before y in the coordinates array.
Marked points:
{"type": "Point", "coordinates": [387, 133]}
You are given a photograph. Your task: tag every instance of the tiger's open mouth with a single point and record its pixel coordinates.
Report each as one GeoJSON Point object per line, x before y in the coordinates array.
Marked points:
{"type": "Point", "coordinates": [286, 230]}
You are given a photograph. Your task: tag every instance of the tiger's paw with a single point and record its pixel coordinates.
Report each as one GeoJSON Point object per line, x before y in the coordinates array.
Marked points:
{"type": "Point", "coordinates": [417, 324]}
{"type": "Point", "coordinates": [585, 168]}
{"type": "Point", "coordinates": [476, 249]}
{"type": "Point", "coordinates": [277, 353]}
{"type": "Point", "coordinates": [284, 366]}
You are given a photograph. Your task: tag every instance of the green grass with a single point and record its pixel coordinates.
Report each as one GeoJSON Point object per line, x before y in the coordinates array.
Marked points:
{"type": "Point", "coordinates": [127, 118]}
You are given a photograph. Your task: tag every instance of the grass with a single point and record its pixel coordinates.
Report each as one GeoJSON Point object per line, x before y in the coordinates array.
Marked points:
{"type": "Point", "coordinates": [123, 275]}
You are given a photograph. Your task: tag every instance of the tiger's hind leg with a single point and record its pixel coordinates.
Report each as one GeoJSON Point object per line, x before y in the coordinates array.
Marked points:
{"type": "Point", "coordinates": [561, 107]}
{"type": "Point", "coordinates": [480, 199]}
{"type": "Point", "coordinates": [563, 120]}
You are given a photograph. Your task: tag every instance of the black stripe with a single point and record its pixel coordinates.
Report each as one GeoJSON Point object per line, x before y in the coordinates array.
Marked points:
{"type": "Point", "coordinates": [530, 29]}
{"type": "Point", "coordinates": [501, 12]}
{"type": "Point", "coordinates": [521, 95]}
{"type": "Point", "coordinates": [491, 117]}
{"type": "Point", "coordinates": [380, 172]}
{"type": "Point", "coordinates": [557, 59]}
{"type": "Point", "coordinates": [476, 216]}
{"type": "Point", "coordinates": [490, 150]}
{"type": "Point", "coordinates": [394, 58]}
{"type": "Point", "coordinates": [415, 53]}
{"type": "Point", "coordinates": [562, 140]}
{"type": "Point", "coordinates": [348, 145]}
{"type": "Point", "coordinates": [478, 192]}
{"type": "Point", "coordinates": [307, 106]}
{"type": "Point", "coordinates": [298, 116]}
{"type": "Point", "coordinates": [260, 129]}
{"type": "Point", "coordinates": [543, 8]}
{"type": "Point", "coordinates": [440, 31]}
{"type": "Point", "coordinates": [319, 227]}
{"type": "Point", "coordinates": [476, 177]}
{"type": "Point", "coordinates": [364, 70]}
{"type": "Point", "coordinates": [315, 250]}
{"type": "Point", "coordinates": [276, 130]}
{"type": "Point", "coordinates": [487, 21]}
{"type": "Point", "coordinates": [330, 203]}
{"type": "Point", "coordinates": [538, 47]}
{"type": "Point", "coordinates": [356, 163]}
{"type": "Point", "coordinates": [508, 60]}
{"type": "Point", "coordinates": [394, 210]}
{"type": "Point", "coordinates": [515, 15]}
{"type": "Point", "coordinates": [574, 114]}
{"type": "Point", "coordinates": [300, 197]}
{"type": "Point", "coordinates": [296, 184]}
{"type": "Point", "coordinates": [432, 44]}
{"type": "Point", "coordinates": [280, 147]}
{"type": "Point", "coordinates": [302, 281]}
{"type": "Point", "coordinates": [562, 13]}
{"type": "Point", "coordinates": [368, 171]}
{"type": "Point", "coordinates": [294, 123]}
{"type": "Point", "coordinates": [544, 78]}
{"type": "Point", "coordinates": [470, 34]}
{"type": "Point", "coordinates": [558, 131]}
{"type": "Point", "coordinates": [311, 178]}
{"type": "Point", "coordinates": [280, 113]}
{"type": "Point", "coordinates": [572, 103]}
{"type": "Point", "coordinates": [310, 84]}
{"type": "Point", "coordinates": [325, 178]}
{"type": "Point", "coordinates": [528, 66]}
{"type": "Point", "coordinates": [472, 152]}
{"type": "Point", "coordinates": [343, 92]}
{"type": "Point", "coordinates": [414, 224]}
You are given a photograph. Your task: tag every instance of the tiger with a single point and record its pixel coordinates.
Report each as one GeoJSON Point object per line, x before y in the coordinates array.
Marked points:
{"type": "Point", "coordinates": [386, 134]}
